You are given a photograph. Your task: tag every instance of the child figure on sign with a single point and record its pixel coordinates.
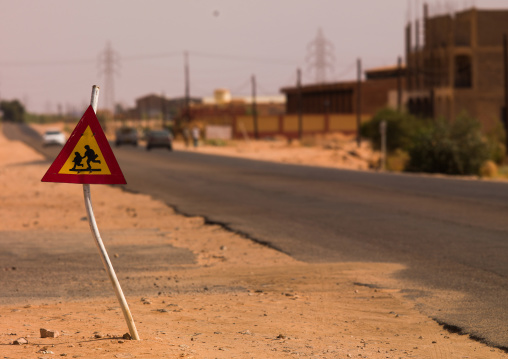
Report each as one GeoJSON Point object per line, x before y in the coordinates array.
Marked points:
{"type": "Point", "coordinates": [77, 160]}
{"type": "Point", "coordinates": [91, 156]}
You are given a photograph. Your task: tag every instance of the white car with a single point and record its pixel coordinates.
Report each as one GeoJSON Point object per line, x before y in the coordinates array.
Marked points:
{"type": "Point", "coordinates": [53, 137]}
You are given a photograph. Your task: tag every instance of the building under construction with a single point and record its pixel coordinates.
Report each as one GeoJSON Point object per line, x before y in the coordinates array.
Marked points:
{"type": "Point", "coordinates": [455, 64]}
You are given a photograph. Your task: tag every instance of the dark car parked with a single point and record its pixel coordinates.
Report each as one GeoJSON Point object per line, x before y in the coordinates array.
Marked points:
{"type": "Point", "coordinates": [126, 135]}
{"type": "Point", "coordinates": [159, 138]}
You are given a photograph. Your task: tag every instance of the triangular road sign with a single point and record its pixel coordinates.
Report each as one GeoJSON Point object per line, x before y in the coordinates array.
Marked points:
{"type": "Point", "coordinates": [86, 157]}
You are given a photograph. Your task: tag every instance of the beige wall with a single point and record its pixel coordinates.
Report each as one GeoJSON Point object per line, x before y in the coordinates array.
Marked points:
{"type": "Point", "coordinates": [310, 123]}
{"type": "Point", "coordinates": [346, 123]}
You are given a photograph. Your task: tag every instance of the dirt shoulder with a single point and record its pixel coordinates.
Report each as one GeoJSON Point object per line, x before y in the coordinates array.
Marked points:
{"type": "Point", "coordinates": [233, 299]}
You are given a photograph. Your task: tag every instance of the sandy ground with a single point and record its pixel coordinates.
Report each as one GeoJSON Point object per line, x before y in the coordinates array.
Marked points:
{"type": "Point", "coordinates": [237, 300]}
{"type": "Point", "coordinates": [333, 150]}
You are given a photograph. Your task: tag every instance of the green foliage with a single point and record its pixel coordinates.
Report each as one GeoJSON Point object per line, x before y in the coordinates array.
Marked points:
{"type": "Point", "coordinates": [397, 160]}
{"type": "Point", "coordinates": [400, 128]}
{"type": "Point", "coordinates": [503, 171]}
{"type": "Point", "coordinates": [457, 147]}
{"type": "Point", "coordinates": [13, 111]}
{"type": "Point", "coordinates": [496, 140]}
{"type": "Point", "coordinates": [451, 148]}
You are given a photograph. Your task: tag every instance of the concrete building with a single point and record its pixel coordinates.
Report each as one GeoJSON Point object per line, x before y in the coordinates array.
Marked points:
{"type": "Point", "coordinates": [155, 106]}
{"type": "Point", "coordinates": [455, 64]}
{"type": "Point", "coordinates": [342, 97]}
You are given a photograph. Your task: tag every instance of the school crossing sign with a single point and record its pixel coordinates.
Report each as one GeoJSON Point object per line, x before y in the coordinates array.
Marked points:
{"type": "Point", "coordinates": [86, 158]}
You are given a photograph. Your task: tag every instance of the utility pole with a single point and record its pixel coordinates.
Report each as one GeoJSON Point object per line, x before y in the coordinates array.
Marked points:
{"type": "Point", "coordinates": [359, 102]}
{"type": "Point", "coordinates": [382, 130]}
{"type": "Point", "coordinates": [409, 62]}
{"type": "Point", "coordinates": [417, 55]}
{"type": "Point", "coordinates": [108, 62]}
{"type": "Point", "coordinates": [505, 108]}
{"type": "Point", "coordinates": [299, 105]}
{"type": "Point", "coordinates": [187, 87]}
{"type": "Point", "coordinates": [254, 108]}
{"type": "Point", "coordinates": [399, 84]}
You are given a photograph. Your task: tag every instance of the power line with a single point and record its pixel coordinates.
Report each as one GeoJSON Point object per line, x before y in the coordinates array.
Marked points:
{"type": "Point", "coordinates": [240, 89]}
{"type": "Point", "coordinates": [47, 63]}
{"type": "Point", "coordinates": [161, 55]}
{"type": "Point", "coordinates": [243, 58]}
{"type": "Point", "coordinates": [347, 71]}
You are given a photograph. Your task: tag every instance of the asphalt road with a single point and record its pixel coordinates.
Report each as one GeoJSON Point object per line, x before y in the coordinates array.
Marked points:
{"type": "Point", "coordinates": [452, 234]}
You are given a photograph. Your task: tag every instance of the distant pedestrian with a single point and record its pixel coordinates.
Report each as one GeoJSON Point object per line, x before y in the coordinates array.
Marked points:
{"type": "Point", "coordinates": [195, 135]}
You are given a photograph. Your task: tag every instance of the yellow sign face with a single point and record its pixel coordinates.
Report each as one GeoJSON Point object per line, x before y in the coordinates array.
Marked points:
{"type": "Point", "coordinates": [86, 157]}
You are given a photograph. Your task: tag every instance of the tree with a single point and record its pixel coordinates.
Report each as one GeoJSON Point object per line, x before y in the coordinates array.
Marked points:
{"type": "Point", "coordinates": [13, 111]}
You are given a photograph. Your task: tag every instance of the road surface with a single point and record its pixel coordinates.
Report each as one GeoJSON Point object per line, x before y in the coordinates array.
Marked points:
{"type": "Point", "coordinates": [452, 234]}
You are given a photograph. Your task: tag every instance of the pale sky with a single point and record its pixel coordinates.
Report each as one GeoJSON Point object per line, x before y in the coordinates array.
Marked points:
{"type": "Point", "coordinates": [50, 50]}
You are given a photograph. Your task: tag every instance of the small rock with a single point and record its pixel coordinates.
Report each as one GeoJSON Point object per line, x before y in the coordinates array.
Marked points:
{"type": "Point", "coordinates": [281, 336]}
{"type": "Point", "coordinates": [127, 336]}
{"type": "Point", "coordinates": [45, 350]}
{"type": "Point", "coordinates": [20, 341]}
{"type": "Point", "coordinates": [49, 333]}
{"type": "Point", "coordinates": [124, 355]}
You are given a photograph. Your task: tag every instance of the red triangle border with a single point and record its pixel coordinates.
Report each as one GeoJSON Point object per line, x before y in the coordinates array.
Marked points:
{"type": "Point", "coordinates": [89, 119]}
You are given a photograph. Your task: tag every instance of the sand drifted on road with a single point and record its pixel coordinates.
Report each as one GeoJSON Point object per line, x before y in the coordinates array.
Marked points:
{"type": "Point", "coordinates": [194, 290]}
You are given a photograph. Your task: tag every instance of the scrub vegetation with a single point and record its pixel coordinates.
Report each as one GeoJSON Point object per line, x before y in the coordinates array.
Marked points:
{"type": "Point", "coordinates": [457, 147]}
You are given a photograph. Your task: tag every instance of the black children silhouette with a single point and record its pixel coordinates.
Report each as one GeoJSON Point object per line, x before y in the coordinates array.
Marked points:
{"type": "Point", "coordinates": [77, 160]}
{"type": "Point", "coordinates": [91, 156]}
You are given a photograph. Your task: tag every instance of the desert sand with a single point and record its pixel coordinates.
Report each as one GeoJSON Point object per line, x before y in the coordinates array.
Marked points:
{"type": "Point", "coordinates": [236, 299]}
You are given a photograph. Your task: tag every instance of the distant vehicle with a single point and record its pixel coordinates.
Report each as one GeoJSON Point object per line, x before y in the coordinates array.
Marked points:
{"type": "Point", "coordinates": [126, 135]}
{"type": "Point", "coordinates": [53, 137]}
{"type": "Point", "coordinates": [160, 138]}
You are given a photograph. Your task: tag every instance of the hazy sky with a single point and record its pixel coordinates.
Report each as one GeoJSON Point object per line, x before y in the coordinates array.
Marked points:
{"type": "Point", "coordinates": [50, 50]}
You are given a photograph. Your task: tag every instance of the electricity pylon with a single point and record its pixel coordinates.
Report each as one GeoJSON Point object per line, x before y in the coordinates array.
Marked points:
{"type": "Point", "coordinates": [109, 60]}
{"type": "Point", "coordinates": [320, 57]}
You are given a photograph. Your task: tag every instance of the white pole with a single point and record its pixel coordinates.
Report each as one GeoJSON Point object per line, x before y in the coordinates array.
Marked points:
{"type": "Point", "coordinates": [100, 245]}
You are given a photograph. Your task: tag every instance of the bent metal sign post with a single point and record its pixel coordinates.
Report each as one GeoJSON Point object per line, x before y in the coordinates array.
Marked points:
{"type": "Point", "coordinates": [86, 159]}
